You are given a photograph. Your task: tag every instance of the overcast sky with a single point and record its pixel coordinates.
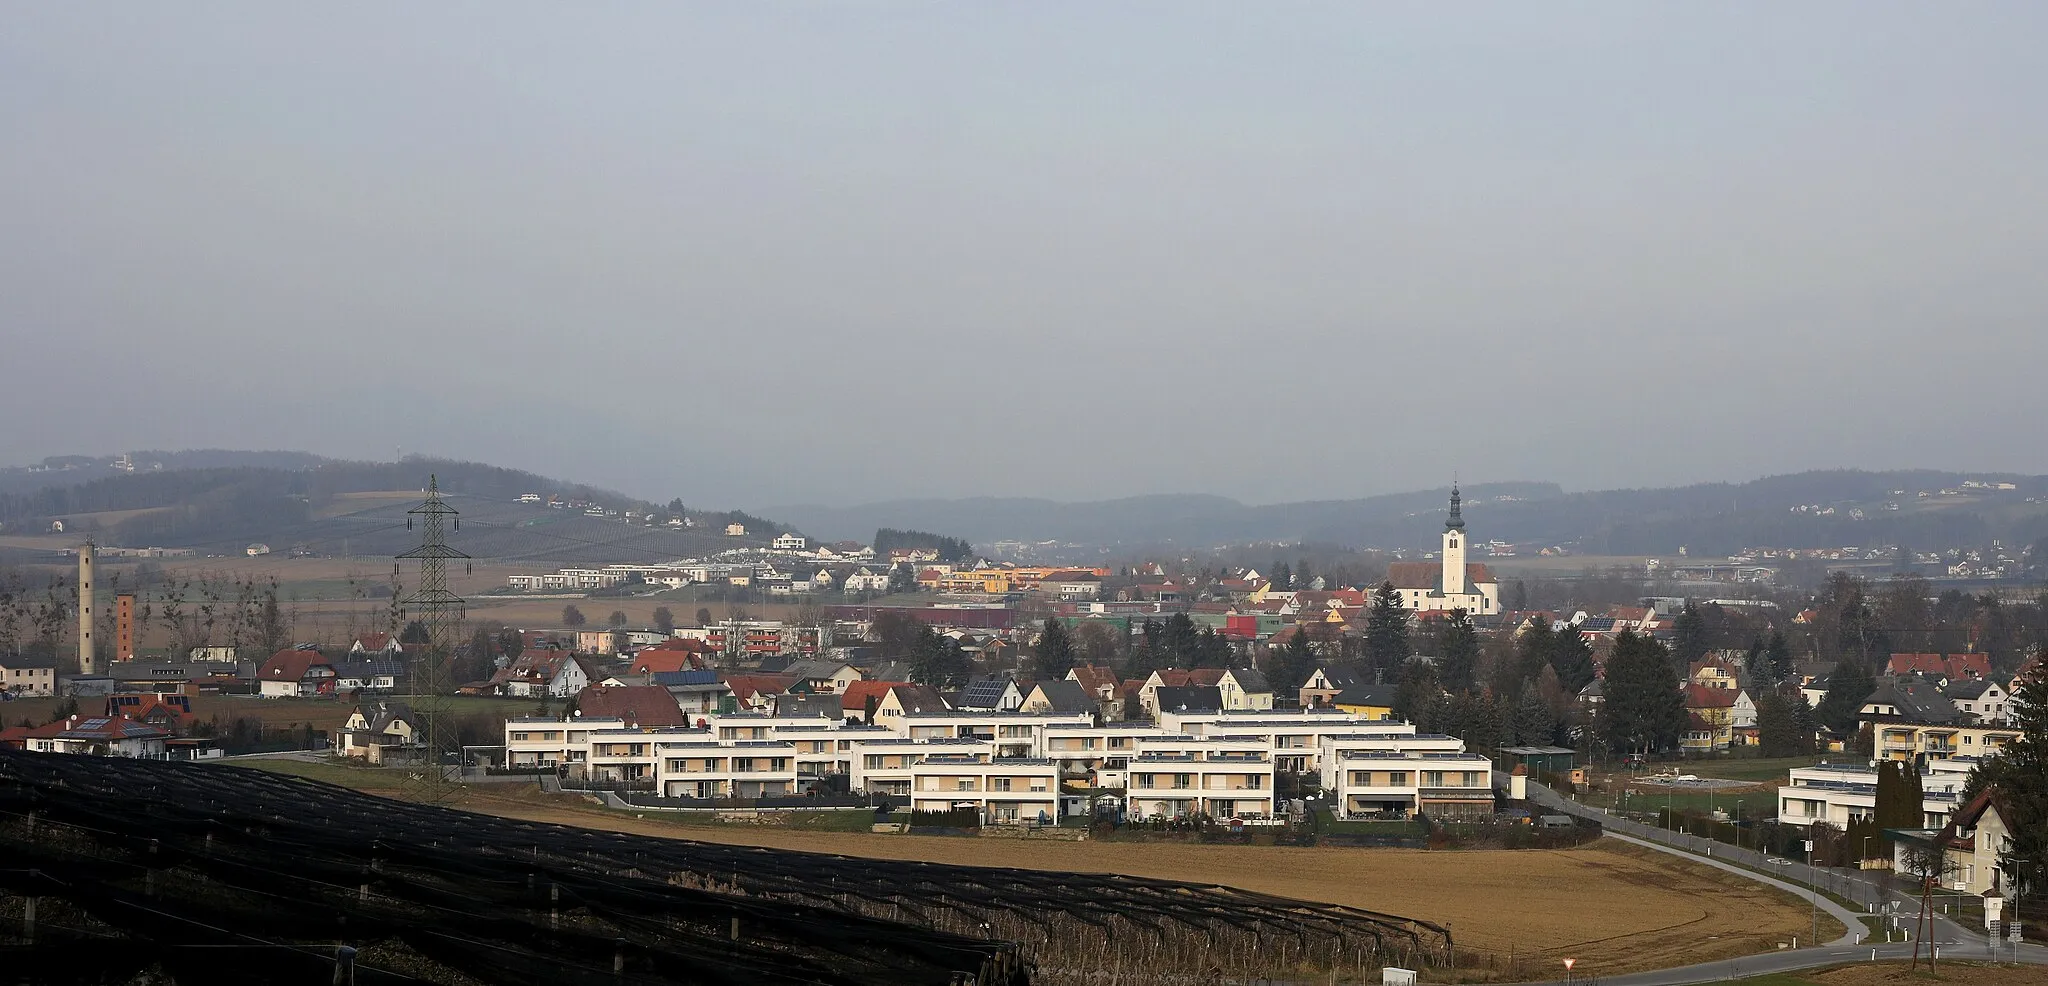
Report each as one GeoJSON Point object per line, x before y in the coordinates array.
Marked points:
{"type": "Point", "coordinates": [759, 253]}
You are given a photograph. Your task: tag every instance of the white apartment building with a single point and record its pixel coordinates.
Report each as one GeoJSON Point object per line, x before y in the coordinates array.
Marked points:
{"type": "Point", "coordinates": [1839, 793]}
{"type": "Point", "coordinates": [705, 769]}
{"type": "Point", "coordinates": [1005, 791]}
{"type": "Point", "coordinates": [1295, 737]}
{"type": "Point", "coordinates": [886, 765]}
{"type": "Point", "coordinates": [1016, 734]}
{"type": "Point", "coordinates": [1100, 753]}
{"type": "Point", "coordinates": [1394, 777]}
{"type": "Point", "coordinates": [542, 742]}
{"type": "Point", "coordinates": [1175, 776]}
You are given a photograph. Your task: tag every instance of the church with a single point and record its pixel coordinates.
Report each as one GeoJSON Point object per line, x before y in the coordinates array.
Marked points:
{"type": "Point", "coordinates": [1450, 582]}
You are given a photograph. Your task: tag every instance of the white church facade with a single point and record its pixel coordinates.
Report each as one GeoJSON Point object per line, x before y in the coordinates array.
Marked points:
{"type": "Point", "coordinates": [1450, 582]}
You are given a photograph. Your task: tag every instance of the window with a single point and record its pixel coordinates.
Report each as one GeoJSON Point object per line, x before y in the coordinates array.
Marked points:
{"type": "Point", "coordinates": [998, 783]}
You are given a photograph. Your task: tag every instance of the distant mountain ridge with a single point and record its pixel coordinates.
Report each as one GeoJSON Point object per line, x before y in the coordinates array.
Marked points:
{"type": "Point", "coordinates": [1706, 518]}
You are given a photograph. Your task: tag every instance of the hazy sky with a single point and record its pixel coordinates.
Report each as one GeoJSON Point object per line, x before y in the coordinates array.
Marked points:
{"type": "Point", "coordinates": [757, 253]}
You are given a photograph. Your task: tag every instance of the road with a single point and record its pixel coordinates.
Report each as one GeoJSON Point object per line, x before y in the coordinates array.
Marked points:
{"type": "Point", "coordinates": [1954, 941]}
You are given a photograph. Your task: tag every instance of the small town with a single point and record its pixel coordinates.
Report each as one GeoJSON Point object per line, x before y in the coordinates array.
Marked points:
{"type": "Point", "coordinates": [1056, 494]}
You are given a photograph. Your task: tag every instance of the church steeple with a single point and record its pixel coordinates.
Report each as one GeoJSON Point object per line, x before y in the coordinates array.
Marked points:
{"type": "Point", "coordinates": [1456, 521]}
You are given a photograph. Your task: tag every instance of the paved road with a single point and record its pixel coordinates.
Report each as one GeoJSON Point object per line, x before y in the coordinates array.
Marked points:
{"type": "Point", "coordinates": [1954, 941]}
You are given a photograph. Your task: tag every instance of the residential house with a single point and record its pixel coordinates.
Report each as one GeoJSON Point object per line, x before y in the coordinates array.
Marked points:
{"type": "Point", "coordinates": [295, 674]}
{"type": "Point", "coordinates": [1976, 838]}
{"type": "Point", "coordinates": [1952, 667]}
{"type": "Point", "coordinates": [1102, 684]}
{"type": "Point", "coordinates": [1148, 696]}
{"type": "Point", "coordinates": [374, 730]}
{"type": "Point", "coordinates": [757, 692]}
{"type": "Point", "coordinates": [789, 542]}
{"type": "Point", "coordinates": [166, 712]}
{"type": "Point", "coordinates": [1368, 701]}
{"type": "Point", "coordinates": [1328, 680]}
{"type": "Point", "coordinates": [377, 645]}
{"type": "Point", "coordinates": [989, 695]}
{"type": "Point", "coordinates": [1713, 673]}
{"type": "Point", "coordinates": [1187, 698]}
{"type": "Point", "coordinates": [644, 706]}
{"type": "Point", "coordinates": [902, 700]}
{"type": "Point", "coordinates": [542, 674]}
{"type": "Point", "coordinates": [1985, 700]}
{"type": "Point", "coordinates": [862, 698]}
{"type": "Point", "coordinates": [27, 677]}
{"type": "Point", "coordinates": [696, 692]}
{"type": "Point", "coordinates": [1715, 715]}
{"type": "Point", "coordinates": [865, 580]}
{"type": "Point", "coordinates": [360, 673]}
{"type": "Point", "coordinates": [98, 736]}
{"type": "Point", "coordinates": [1244, 689]}
{"type": "Point", "coordinates": [1066, 696]}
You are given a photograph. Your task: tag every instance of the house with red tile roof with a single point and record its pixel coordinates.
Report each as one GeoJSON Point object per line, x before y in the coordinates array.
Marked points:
{"type": "Point", "coordinates": [1950, 666]}
{"type": "Point", "coordinates": [853, 700]}
{"type": "Point", "coordinates": [295, 674]}
{"type": "Point", "coordinates": [638, 705]}
{"type": "Point", "coordinates": [98, 736]}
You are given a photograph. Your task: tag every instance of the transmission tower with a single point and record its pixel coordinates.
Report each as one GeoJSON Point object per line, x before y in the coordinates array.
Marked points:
{"type": "Point", "coordinates": [441, 613]}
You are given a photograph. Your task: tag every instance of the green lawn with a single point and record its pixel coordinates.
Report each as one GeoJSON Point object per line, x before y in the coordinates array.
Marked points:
{"type": "Point", "coordinates": [359, 778]}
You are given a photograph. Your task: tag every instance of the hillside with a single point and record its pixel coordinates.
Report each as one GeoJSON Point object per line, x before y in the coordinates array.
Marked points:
{"type": "Point", "coordinates": [356, 508]}
{"type": "Point", "coordinates": [1708, 519]}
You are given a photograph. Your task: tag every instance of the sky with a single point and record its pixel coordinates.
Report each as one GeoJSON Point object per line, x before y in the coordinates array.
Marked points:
{"type": "Point", "coordinates": [769, 253]}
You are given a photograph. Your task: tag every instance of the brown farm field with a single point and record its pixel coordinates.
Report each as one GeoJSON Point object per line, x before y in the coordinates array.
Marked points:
{"type": "Point", "coordinates": [1613, 907]}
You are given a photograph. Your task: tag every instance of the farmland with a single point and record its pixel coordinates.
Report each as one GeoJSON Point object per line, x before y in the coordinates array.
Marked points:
{"type": "Point", "coordinates": [1612, 907]}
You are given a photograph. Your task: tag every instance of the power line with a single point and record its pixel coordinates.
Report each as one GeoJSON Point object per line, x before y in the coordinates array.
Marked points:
{"type": "Point", "coordinates": [439, 611]}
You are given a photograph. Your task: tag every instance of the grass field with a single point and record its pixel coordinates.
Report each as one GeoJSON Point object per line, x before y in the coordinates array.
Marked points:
{"type": "Point", "coordinates": [1613, 907]}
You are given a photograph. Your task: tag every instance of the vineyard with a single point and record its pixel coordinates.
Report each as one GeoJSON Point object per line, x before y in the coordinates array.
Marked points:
{"type": "Point", "coordinates": [231, 875]}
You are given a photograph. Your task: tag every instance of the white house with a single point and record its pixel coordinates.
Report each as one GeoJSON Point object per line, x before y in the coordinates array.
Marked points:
{"type": "Point", "coordinates": [1838, 793]}
{"type": "Point", "coordinates": [295, 674]}
{"type": "Point", "coordinates": [866, 580]}
{"type": "Point", "coordinates": [27, 677]}
{"type": "Point", "coordinates": [789, 542]}
{"type": "Point", "coordinates": [1387, 778]}
{"type": "Point", "coordinates": [99, 736]}
{"type": "Point", "coordinates": [696, 768]}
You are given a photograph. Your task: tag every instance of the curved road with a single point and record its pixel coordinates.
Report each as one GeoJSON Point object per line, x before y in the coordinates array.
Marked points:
{"type": "Point", "coordinates": [1954, 941]}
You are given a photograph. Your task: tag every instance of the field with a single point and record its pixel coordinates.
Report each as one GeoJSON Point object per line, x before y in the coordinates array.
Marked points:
{"type": "Point", "coordinates": [1613, 907]}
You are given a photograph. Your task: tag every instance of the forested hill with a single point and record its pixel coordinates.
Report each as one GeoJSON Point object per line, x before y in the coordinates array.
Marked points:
{"type": "Point", "coordinates": [176, 507]}
{"type": "Point", "coordinates": [1841, 508]}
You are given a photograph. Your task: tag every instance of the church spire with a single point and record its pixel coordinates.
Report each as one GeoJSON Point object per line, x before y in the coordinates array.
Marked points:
{"type": "Point", "coordinates": [1456, 521]}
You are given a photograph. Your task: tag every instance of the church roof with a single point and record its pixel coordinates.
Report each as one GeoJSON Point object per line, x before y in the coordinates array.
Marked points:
{"type": "Point", "coordinates": [1429, 575]}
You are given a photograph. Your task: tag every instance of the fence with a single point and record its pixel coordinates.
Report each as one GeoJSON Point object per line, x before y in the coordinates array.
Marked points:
{"type": "Point", "coordinates": [1854, 887]}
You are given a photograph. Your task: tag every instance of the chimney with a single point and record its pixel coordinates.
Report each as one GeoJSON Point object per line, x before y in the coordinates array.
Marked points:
{"type": "Point", "coordinates": [124, 627]}
{"type": "Point", "coordinates": [87, 660]}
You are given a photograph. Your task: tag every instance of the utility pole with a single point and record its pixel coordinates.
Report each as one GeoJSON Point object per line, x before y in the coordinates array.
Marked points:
{"type": "Point", "coordinates": [441, 613]}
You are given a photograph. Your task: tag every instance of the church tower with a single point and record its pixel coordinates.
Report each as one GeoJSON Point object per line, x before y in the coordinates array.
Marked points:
{"type": "Point", "coordinates": [1454, 549]}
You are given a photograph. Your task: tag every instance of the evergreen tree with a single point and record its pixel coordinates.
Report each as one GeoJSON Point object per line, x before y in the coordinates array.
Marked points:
{"type": "Point", "coordinates": [1534, 723]}
{"type": "Point", "coordinates": [1283, 577]}
{"type": "Point", "coordinates": [1386, 630]}
{"type": "Point", "coordinates": [1898, 801]}
{"type": "Point", "coordinates": [1457, 646]}
{"type": "Point", "coordinates": [1572, 658]}
{"type": "Point", "coordinates": [1055, 654]}
{"type": "Point", "coordinates": [937, 660]}
{"type": "Point", "coordinates": [2021, 773]}
{"type": "Point", "coordinates": [1689, 636]}
{"type": "Point", "coordinates": [1417, 692]}
{"type": "Point", "coordinates": [665, 620]}
{"type": "Point", "coordinates": [1782, 731]}
{"type": "Point", "coordinates": [1848, 686]}
{"type": "Point", "coordinates": [1519, 601]}
{"type": "Point", "coordinates": [1292, 664]}
{"type": "Point", "coordinates": [573, 617]}
{"type": "Point", "coordinates": [1778, 657]}
{"type": "Point", "coordinates": [511, 643]}
{"type": "Point", "coordinates": [1535, 648]}
{"type": "Point", "coordinates": [1643, 711]}
{"type": "Point", "coordinates": [1179, 642]}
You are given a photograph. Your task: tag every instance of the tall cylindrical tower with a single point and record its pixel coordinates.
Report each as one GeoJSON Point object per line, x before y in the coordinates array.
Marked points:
{"type": "Point", "coordinates": [87, 662]}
